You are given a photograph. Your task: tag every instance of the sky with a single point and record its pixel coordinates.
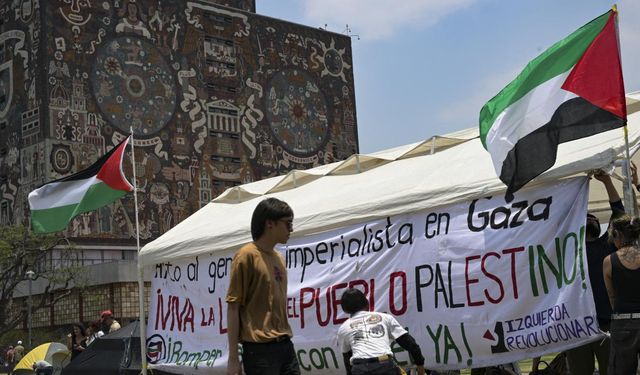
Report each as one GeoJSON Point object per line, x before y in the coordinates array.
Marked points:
{"type": "Point", "coordinates": [426, 67]}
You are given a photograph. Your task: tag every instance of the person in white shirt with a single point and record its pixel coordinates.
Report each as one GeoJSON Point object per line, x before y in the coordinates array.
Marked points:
{"type": "Point", "coordinates": [366, 337]}
{"type": "Point", "coordinates": [110, 324]}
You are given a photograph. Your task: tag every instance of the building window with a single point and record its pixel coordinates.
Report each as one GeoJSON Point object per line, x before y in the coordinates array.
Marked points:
{"type": "Point", "coordinates": [4, 212]}
{"type": "Point", "coordinates": [219, 18]}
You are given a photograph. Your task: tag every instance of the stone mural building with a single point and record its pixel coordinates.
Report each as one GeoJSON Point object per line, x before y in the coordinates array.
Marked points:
{"type": "Point", "coordinates": [215, 94]}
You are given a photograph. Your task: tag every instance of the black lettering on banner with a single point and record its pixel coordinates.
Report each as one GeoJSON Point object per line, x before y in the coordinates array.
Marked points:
{"type": "Point", "coordinates": [420, 284]}
{"type": "Point", "coordinates": [438, 219]}
{"type": "Point", "coordinates": [192, 270]}
{"type": "Point", "coordinates": [218, 269]}
{"type": "Point", "coordinates": [504, 217]}
{"type": "Point", "coordinates": [167, 271]}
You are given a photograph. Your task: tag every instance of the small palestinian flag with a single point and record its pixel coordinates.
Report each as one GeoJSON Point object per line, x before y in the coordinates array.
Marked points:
{"type": "Point", "coordinates": [572, 90]}
{"type": "Point", "coordinates": [54, 204]}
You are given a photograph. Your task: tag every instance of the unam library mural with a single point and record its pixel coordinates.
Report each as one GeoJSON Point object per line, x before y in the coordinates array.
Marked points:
{"type": "Point", "coordinates": [216, 96]}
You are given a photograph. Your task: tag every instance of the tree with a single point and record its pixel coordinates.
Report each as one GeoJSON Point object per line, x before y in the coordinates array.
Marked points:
{"type": "Point", "coordinates": [22, 251]}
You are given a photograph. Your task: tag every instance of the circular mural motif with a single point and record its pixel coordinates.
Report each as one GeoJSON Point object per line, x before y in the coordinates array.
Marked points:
{"type": "Point", "coordinates": [133, 85]}
{"type": "Point", "coordinates": [297, 112]}
{"type": "Point", "coordinates": [61, 159]}
{"type": "Point", "coordinates": [333, 62]}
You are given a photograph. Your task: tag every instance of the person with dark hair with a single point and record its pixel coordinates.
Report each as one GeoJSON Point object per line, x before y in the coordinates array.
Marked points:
{"type": "Point", "coordinates": [581, 359]}
{"type": "Point", "coordinates": [366, 337]}
{"type": "Point", "coordinates": [9, 359]}
{"type": "Point", "coordinates": [257, 297]}
{"type": "Point", "coordinates": [622, 277]}
{"type": "Point", "coordinates": [76, 340]}
{"type": "Point", "coordinates": [94, 332]}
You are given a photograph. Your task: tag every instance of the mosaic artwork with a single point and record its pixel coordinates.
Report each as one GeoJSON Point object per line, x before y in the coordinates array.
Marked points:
{"type": "Point", "coordinates": [216, 96]}
{"type": "Point", "coordinates": [297, 112]}
{"type": "Point", "coordinates": [133, 85]}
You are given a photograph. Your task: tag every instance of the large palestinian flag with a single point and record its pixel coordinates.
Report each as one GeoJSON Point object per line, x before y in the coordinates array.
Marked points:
{"type": "Point", "coordinates": [54, 204]}
{"type": "Point", "coordinates": [572, 90]}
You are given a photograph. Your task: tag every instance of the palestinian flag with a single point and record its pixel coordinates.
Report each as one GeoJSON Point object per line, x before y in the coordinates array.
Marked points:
{"type": "Point", "coordinates": [572, 90]}
{"type": "Point", "coordinates": [54, 204]}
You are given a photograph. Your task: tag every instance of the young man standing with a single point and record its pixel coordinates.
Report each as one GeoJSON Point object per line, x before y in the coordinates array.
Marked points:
{"type": "Point", "coordinates": [257, 297]}
{"type": "Point", "coordinates": [366, 337]}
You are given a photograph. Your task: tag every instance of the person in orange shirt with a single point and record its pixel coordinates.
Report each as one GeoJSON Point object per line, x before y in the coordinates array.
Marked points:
{"type": "Point", "coordinates": [257, 297]}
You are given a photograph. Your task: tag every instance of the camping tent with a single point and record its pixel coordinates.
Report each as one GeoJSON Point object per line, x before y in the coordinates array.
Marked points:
{"type": "Point", "coordinates": [419, 176]}
{"type": "Point", "coordinates": [115, 353]}
{"type": "Point", "coordinates": [55, 353]}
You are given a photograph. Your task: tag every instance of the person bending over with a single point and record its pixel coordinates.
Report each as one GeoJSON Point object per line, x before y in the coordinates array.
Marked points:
{"type": "Point", "coordinates": [366, 337]}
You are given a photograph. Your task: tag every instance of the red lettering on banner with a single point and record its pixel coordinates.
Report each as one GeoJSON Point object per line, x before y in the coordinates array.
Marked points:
{"type": "Point", "coordinates": [514, 282]}
{"type": "Point", "coordinates": [181, 318]}
{"type": "Point", "coordinates": [323, 322]}
{"type": "Point", "coordinates": [403, 297]}
{"type": "Point", "coordinates": [332, 295]}
{"type": "Point", "coordinates": [210, 320]}
{"type": "Point", "coordinates": [336, 302]}
{"type": "Point", "coordinates": [291, 308]}
{"type": "Point", "coordinates": [222, 330]}
{"type": "Point", "coordinates": [303, 304]}
{"type": "Point", "coordinates": [492, 277]}
{"type": "Point", "coordinates": [469, 281]}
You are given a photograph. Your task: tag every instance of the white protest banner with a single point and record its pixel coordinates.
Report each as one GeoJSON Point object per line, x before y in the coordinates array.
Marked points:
{"type": "Point", "coordinates": [476, 283]}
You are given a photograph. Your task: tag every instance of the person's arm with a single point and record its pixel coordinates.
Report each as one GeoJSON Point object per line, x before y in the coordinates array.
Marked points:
{"type": "Point", "coordinates": [634, 175]}
{"type": "Point", "coordinates": [234, 302]}
{"type": "Point", "coordinates": [346, 358]}
{"type": "Point", "coordinates": [408, 343]}
{"type": "Point", "coordinates": [608, 282]}
{"type": "Point", "coordinates": [612, 193]}
{"type": "Point", "coordinates": [535, 363]}
{"type": "Point", "coordinates": [233, 335]}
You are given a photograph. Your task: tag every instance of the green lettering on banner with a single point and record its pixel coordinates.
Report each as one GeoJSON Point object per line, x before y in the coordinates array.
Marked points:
{"type": "Point", "coordinates": [571, 235]}
{"type": "Point", "coordinates": [319, 364]}
{"type": "Point", "coordinates": [317, 359]}
{"type": "Point", "coordinates": [436, 340]}
{"type": "Point", "coordinates": [557, 267]}
{"type": "Point", "coordinates": [542, 257]}
{"type": "Point", "coordinates": [581, 257]}
{"type": "Point", "coordinates": [177, 348]}
{"type": "Point", "coordinates": [532, 272]}
{"type": "Point", "coordinates": [466, 344]}
{"type": "Point", "coordinates": [450, 344]}
{"type": "Point", "coordinates": [301, 362]}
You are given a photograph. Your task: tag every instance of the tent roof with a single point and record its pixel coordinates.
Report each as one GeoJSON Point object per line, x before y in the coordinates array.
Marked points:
{"type": "Point", "coordinates": [419, 176]}
{"type": "Point", "coordinates": [46, 351]}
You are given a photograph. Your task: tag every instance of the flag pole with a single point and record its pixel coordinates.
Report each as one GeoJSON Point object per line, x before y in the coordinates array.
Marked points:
{"type": "Point", "coordinates": [142, 325]}
{"type": "Point", "coordinates": [629, 197]}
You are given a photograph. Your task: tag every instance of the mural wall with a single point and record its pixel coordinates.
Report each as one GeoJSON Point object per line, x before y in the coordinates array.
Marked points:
{"type": "Point", "coordinates": [216, 97]}
{"type": "Point", "coordinates": [22, 150]}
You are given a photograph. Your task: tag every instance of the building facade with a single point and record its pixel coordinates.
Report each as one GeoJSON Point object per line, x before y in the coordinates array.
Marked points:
{"type": "Point", "coordinates": [215, 96]}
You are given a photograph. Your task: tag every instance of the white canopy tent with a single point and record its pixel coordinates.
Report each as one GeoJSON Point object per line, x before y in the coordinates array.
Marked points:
{"type": "Point", "coordinates": [411, 178]}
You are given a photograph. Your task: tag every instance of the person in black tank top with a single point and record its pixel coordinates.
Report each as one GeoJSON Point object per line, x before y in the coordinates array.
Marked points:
{"type": "Point", "coordinates": [622, 277]}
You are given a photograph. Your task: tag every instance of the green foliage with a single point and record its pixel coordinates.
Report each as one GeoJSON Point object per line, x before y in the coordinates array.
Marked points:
{"type": "Point", "coordinates": [50, 257]}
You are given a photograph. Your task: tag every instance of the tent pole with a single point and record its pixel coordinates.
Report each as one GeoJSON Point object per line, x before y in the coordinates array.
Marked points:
{"type": "Point", "coordinates": [142, 325]}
